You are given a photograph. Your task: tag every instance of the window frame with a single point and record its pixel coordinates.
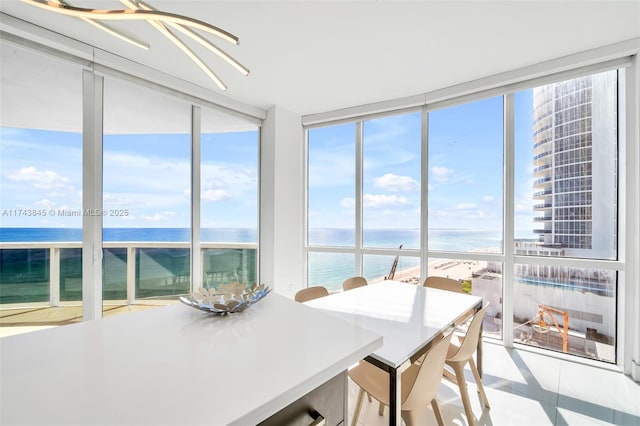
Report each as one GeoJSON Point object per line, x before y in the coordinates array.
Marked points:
{"type": "Point", "coordinates": [508, 257]}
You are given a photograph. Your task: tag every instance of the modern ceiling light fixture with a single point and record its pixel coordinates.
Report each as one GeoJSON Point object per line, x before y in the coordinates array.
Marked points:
{"type": "Point", "coordinates": [140, 11]}
{"type": "Point", "coordinates": [111, 30]}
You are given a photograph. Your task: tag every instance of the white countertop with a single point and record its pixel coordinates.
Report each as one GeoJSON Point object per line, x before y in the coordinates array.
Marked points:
{"type": "Point", "coordinates": [406, 315]}
{"type": "Point", "coordinates": [176, 365]}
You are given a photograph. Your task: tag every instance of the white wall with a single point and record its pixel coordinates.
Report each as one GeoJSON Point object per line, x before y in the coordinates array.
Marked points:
{"type": "Point", "coordinates": [281, 201]}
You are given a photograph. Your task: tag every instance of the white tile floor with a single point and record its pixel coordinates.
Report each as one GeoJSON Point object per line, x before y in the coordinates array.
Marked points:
{"type": "Point", "coordinates": [527, 388]}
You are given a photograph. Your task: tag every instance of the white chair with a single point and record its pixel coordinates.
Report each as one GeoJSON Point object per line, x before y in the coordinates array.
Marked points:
{"type": "Point", "coordinates": [459, 355]}
{"type": "Point", "coordinates": [354, 282]}
{"type": "Point", "coordinates": [419, 384]}
{"type": "Point", "coordinates": [443, 283]}
{"type": "Point", "coordinates": [311, 293]}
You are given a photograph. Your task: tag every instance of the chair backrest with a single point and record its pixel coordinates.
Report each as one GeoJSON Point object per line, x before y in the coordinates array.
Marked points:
{"type": "Point", "coordinates": [311, 293]}
{"type": "Point", "coordinates": [421, 380]}
{"type": "Point", "coordinates": [470, 341]}
{"type": "Point", "coordinates": [443, 283]}
{"type": "Point", "coordinates": [354, 282]}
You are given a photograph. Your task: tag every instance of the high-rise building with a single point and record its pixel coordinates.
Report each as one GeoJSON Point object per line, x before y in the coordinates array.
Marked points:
{"type": "Point", "coordinates": [575, 166]}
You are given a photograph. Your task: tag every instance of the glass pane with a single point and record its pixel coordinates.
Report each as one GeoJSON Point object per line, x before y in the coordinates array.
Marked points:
{"type": "Point", "coordinates": [70, 274]}
{"type": "Point", "coordinates": [41, 189]}
{"type": "Point", "coordinates": [479, 278]}
{"type": "Point", "coordinates": [378, 268]}
{"type": "Point", "coordinates": [162, 272]}
{"type": "Point", "coordinates": [465, 176]}
{"type": "Point", "coordinates": [114, 274]}
{"type": "Point", "coordinates": [331, 185]}
{"type": "Point", "coordinates": [24, 276]}
{"type": "Point", "coordinates": [228, 199]}
{"type": "Point", "coordinates": [330, 269]}
{"type": "Point", "coordinates": [566, 168]}
{"type": "Point", "coordinates": [146, 197]}
{"type": "Point", "coordinates": [571, 310]}
{"type": "Point", "coordinates": [391, 182]}
{"type": "Point", "coordinates": [223, 266]}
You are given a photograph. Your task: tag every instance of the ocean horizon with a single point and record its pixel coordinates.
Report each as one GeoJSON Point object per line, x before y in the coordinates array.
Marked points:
{"type": "Point", "coordinates": [327, 269]}
{"type": "Point", "coordinates": [442, 238]}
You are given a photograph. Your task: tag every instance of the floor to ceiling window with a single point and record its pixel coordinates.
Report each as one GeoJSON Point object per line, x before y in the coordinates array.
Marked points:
{"type": "Point", "coordinates": [146, 187]}
{"type": "Point", "coordinates": [554, 198]}
{"type": "Point", "coordinates": [331, 204]}
{"type": "Point", "coordinates": [229, 158]}
{"type": "Point", "coordinates": [370, 229]}
{"type": "Point", "coordinates": [566, 190]}
{"type": "Point", "coordinates": [391, 148]}
{"type": "Point", "coordinates": [41, 189]}
{"type": "Point", "coordinates": [148, 164]}
{"type": "Point", "coordinates": [465, 198]}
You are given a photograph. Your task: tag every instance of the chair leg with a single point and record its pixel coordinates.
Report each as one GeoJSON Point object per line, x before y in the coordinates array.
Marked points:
{"type": "Point", "coordinates": [356, 410]}
{"type": "Point", "coordinates": [369, 398]}
{"type": "Point", "coordinates": [410, 417]}
{"type": "Point", "coordinates": [476, 376]}
{"type": "Point", "coordinates": [449, 376]}
{"type": "Point", "coordinates": [436, 411]}
{"type": "Point", "coordinates": [464, 393]}
{"type": "Point", "coordinates": [381, 409]}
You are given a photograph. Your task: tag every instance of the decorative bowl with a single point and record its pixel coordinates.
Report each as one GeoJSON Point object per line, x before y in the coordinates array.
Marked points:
{"type": "Point", "coordinates": [227, 299]}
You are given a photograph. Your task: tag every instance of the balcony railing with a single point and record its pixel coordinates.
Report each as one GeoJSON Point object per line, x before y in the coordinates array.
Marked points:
{"type": "Point", "coordinates": [541, 181]}
{"type": "Point", "coordinates": [542, 206]}
{"type": "Point", "coordinates": [542, 218]}
{"type": "Point", "coordinates": [541, 168]}
{"type": "Point", "coordinates": [51, 272]}
{"type": "Point", "coordinates": [542, 155]}
{"type": "Point", "coordinates": [542, 193]}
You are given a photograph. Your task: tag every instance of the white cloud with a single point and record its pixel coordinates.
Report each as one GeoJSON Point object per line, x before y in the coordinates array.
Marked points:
{"type": "Point", "coordinates": [441, 174]}
{"type": "Point", "coordinates": [116, 200]}
{"type": "Point", "coordinates": [44, 203]}
{"type": "Point", "coordinates": [347, 203]}
{"type": "Point", "coordinates": [167, 214]}
{"type": "Point", "coordinates": [215, 195]}
{"type": "Point", "coordinates": [379, 201]}
{"type": "Point", "coordinates": [396, 183]}
{"type": "Point", "coordinates": [488, 198]}
{"type": "Point", "coordinates": [374, 201]}
{"type": "Point", "coordinates": [465, 206]}
{"type": "Point", "coordinates": [40, 179]}
{"type": "Point", "coordinates": [226, 181]}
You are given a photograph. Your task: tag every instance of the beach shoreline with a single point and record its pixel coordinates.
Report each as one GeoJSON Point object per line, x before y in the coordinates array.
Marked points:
{"type": "Point", "coordinates": [457, 269]}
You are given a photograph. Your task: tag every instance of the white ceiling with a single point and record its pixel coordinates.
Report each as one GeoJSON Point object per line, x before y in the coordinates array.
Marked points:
{"type": "Point", "coordinates": [316, 56]}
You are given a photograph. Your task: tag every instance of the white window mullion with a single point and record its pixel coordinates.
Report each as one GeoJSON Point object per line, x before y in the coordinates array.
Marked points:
{"type": "Point", "coordinates": [359, 198]}
{"type": "Point", "coordinates": [424, 196]}
{"type": "Point", "coordinates": [92, 195]}
{"type": "Point", "coordinates": [628, 223]}
{"type": "Point", "coordinates": [508, 221]}
{"type": "Point", "coordinates": [305, 207]}
{"type": "Point", "coordinates": [196, 258]}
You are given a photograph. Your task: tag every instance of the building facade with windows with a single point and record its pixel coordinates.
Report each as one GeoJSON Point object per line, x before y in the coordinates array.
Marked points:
{"type": "Point", "coordinates": [574, 164]}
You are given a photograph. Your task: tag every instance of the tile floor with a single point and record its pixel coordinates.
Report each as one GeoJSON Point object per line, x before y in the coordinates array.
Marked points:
{"type": "Point", "coordinates": [527, 388]}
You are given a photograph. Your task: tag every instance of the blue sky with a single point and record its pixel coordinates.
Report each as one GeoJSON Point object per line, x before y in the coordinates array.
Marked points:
{"type": "Point", "coordinates": [145, 176]}
{"type": "Point", "coordinates": [465, 169]}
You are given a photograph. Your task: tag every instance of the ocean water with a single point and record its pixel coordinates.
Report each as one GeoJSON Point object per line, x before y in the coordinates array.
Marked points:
{"type": "Point", "coordinates": [328, 269]}
{"type": "Point", "coordinates": [233, 235]}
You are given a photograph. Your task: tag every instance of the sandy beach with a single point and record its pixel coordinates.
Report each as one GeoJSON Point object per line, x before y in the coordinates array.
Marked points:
{"type": "Point", "coordinates": [456, 269]}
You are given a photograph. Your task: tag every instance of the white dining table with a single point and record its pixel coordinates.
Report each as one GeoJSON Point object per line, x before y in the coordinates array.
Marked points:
{"type": "Point", "coordinates": [410, 319]}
